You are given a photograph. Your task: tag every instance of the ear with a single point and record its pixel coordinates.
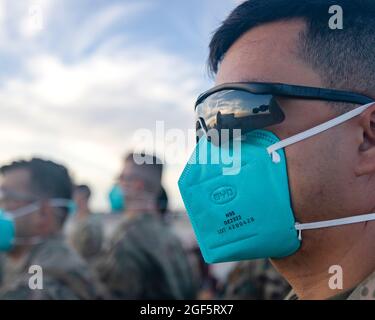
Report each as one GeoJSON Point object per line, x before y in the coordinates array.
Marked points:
{"type": "Point", "coordinates": [366, 165]}
{"type": "Point", "coordinates": [46, 218]}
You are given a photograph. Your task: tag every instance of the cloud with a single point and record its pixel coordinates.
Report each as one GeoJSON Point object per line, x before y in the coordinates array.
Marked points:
{"type": "Point", "coordinates": [77, 90]}
{"type": "Point", "coordinates": [85, 113]}
{"type": "Point", "coordinates": [101, 22]}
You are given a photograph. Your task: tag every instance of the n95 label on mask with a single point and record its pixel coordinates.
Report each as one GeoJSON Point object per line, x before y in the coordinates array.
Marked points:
{"type": "Point", "coordinates": [233, 222]}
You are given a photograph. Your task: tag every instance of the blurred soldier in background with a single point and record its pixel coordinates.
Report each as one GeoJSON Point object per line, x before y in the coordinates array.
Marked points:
{"type": "Point", "coordinates": [162, 201]}
{"type": "Point", "coordinates": [36, 195]}
{"type": "Point", "coordinates": [208, 284]}
{"type": "Point", "coordinates": [255, 280]}
{"type": "Point", "coordinates": [87, 234]}
{"type": "Point", "coordinates": [145, 259]}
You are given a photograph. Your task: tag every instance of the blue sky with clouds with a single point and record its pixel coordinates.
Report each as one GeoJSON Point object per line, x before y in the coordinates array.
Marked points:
{"type": "Point", "coordinates": [79, 77]}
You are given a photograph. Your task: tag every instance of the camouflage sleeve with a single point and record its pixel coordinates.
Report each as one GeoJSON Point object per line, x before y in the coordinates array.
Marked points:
{"type": "Point", "coordinates": [51, 290]}
{"type": "Point", "coordinates": [255, 280]}
{"type": "Point", "coordinates": [87, 237]}
{"type": "Point", "coordinates": [1, 269]}
{"type": "Point", "coordinates": [120, 270]}
{"type": "Point", "coordinates": [364, 291]}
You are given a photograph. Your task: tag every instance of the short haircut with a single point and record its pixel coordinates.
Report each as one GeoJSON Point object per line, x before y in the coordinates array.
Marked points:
{"type": "Point", "coordinates": [344, 59]}
{"type": "Point", "coordinates": [85, 189]}
{"type": "Point", "coordinates": [151, 169]}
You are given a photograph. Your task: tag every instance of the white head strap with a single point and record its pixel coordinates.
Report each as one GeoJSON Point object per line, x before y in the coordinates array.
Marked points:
{"type": "Point", "coordinates": [332, 223]}
{"type": "Point", "coordinates": [56, 202]}
{"type": "Point", "coordinates": [272, 150]}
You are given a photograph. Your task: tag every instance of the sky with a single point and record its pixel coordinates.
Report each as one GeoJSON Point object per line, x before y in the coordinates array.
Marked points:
{"type": "Point", "coordinates": [81, 81]}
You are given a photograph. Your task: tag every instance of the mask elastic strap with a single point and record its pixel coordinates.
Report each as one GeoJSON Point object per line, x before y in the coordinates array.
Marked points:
{"type": "Point", "coordinates": [66, 203]}
{"type": "Point", "coordinates": [25, 210]}
{"type": "Point", "coordinates": [57, 202]}
{"type": "Point", "coordinates": [35, 206]}
{"type": "Point", "coordinates": [332, 223]}
{"type": "Point", "coordinates": [314, 131]}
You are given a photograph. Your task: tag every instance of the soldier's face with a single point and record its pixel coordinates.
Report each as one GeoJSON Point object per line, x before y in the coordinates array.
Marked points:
{"type": "Point", "coordinates": [131, 181]}
{"type": "Point", "coordinates": [80, 199]}
{"type": "Point", "coordinates": [323, 170]}
{"type": "Point", "coordinates": [15, 186]}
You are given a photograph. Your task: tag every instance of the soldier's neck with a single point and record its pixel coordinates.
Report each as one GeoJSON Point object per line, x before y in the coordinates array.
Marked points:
{"type": "Point", "coordinates": [323, 274]}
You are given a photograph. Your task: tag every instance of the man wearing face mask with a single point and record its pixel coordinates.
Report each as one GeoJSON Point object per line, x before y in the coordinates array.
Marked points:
{"type": "Point", "coordinates": [145, 259]}
{"type": "Point", "coordinates": [35, 197]}
{"type": "Point", "coordinates": [297, 96]}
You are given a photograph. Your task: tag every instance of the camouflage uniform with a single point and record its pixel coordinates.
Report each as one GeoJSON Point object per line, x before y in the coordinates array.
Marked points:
{"type": "Point", "coordinates": [341, 296]}
{"type": "Point", "coordinates": [65, 275]}
{"type": "Point", "coordinates": [1, 268]}
{"type": "Point", "coordinates": [87, 236]}
{"type": "Point", "coordinates": [256, 280]}
{"type": "Point", "coordinates": [146, 261]}
{"type": "Point", "coordinates": [364, 291]}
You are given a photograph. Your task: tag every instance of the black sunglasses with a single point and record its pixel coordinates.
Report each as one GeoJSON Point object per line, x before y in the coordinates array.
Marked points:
{"type": "Point", "coordinates": [253, 105]}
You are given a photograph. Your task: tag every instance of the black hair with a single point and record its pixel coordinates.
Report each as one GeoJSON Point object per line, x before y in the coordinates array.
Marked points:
{"type": "Point", "coordinates": [151, 167]}
{"type": "Point", "coordinates": [344, 58]}
{"type": "Point", "coordinates": [162, 201]}
{"type": "Point", "coordinates": [149, 161]}
{"type": "Point", "coordinates": [85, 189]}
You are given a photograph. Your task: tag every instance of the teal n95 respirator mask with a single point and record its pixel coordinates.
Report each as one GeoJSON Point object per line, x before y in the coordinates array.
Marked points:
{"type": "Point", "coordinates": [243, 211]}
{"type": "Point", "coordinates": [116, 198]}
{"type": "Point", "coordinates": [7, 232]}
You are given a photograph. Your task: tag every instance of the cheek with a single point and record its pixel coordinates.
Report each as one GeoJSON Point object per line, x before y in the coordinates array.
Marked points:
{"type": "Point", "coordinates": [301, 185]}
{"type": "Point", "coordinates": [130, 191]}
{"type": "Point", "coordinates": [314, 172]}
{"type": "Point", "coordinates": [37, 221]}
{"type": "Point", "coordinates": [27, 225]}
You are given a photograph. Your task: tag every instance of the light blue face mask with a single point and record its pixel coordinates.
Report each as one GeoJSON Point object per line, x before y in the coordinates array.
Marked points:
{"type": "Point", "coordinates": [117, 199]}
{"type": "Point", "coordinates": [72, 208]}
{"type": "Point", "coordinates": [8, 234]}
{"type": "Point", "coordinates": [249, 215]}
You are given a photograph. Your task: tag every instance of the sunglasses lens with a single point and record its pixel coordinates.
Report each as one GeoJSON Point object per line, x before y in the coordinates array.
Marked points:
{"type": "Point", "coordinates": [199, 131]}
{"type": "Point", "coordinates": [237, 109]}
